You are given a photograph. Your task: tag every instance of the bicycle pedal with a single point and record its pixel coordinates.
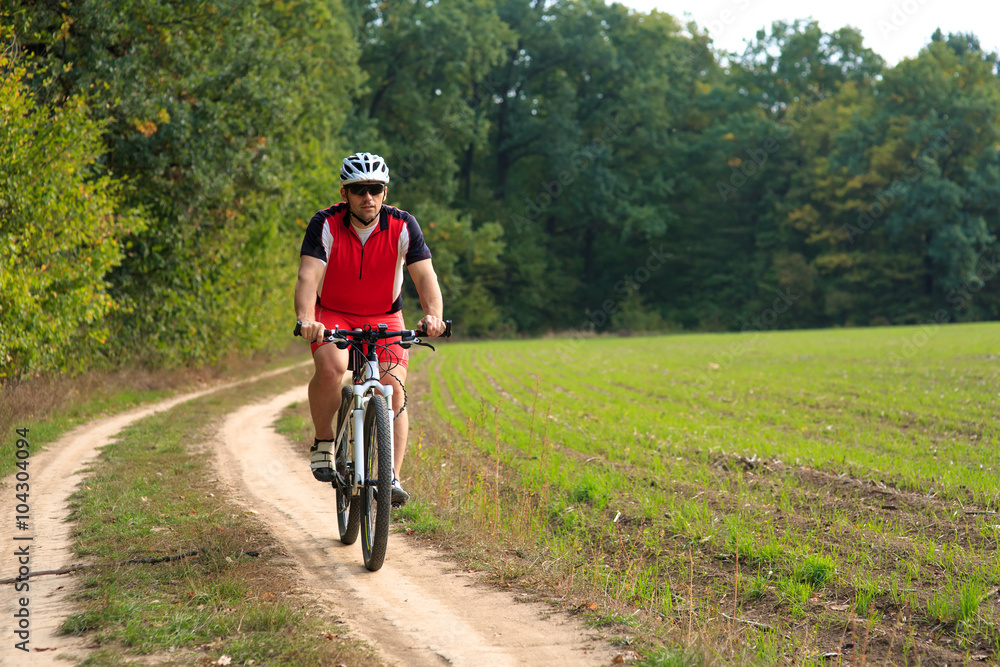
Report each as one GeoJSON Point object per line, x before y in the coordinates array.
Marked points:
{"type": "Point", "coordinates": [338, 480]}
{"type": "Point", "coordinates": [324, 475]}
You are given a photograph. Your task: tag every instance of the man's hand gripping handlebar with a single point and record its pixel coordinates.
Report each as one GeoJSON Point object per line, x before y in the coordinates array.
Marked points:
{"type": "Point", "coordinates": [342, 337]}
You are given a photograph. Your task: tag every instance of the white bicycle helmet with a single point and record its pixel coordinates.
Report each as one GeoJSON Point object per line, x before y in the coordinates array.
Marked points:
{"type": "Point", "coordinates": [364, 167]}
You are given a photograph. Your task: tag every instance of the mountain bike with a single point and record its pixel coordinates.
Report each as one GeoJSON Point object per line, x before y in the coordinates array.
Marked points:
{"type": "Point", "coordinates": [363, 473]}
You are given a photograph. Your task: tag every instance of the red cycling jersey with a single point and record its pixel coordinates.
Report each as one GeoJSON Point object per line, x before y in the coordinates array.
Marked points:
{"type": "Point", "coordinates": [363, 277]}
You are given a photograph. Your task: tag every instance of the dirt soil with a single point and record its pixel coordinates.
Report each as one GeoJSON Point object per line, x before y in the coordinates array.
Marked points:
{"type": "Point", "coordinates": [420, 608]}
{"type": "Point", "coordinates": [55, 474]}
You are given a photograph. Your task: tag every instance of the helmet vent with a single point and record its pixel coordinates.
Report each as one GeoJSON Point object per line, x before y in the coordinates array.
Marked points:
{"type": "Point", "coordinates": [364, 167]}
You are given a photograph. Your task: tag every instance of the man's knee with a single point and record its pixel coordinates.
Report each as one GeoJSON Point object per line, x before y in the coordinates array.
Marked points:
{"type": "Point", "coordinates": [330, 368]}
{"type": "Point", "coordinates": [329, 376]}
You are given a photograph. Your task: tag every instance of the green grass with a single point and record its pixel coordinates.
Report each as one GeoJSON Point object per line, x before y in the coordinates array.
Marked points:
{"type": "Point", "coordinates": [416, 516]}
{"type": "Point", "coordinates": [754, 587]}
{"type": "Point", "coordinates": [818, 462]}
{"type": "Point", "coordinates": [866, 592]}
{"type": "Point", "coordinates": [815, 570]}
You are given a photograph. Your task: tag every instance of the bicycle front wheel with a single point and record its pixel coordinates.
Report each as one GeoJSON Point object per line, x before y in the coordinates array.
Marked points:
{"type": "Point", "coordinates": [376, 497]}
{"type": "Point", "coordinates": [348, 504]}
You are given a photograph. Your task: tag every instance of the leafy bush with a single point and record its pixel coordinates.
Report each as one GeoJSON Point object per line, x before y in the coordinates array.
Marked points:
{"type": "Point", "coordinates": [221, 119]}
{"type": "Point", "coordinates": [61, 226]}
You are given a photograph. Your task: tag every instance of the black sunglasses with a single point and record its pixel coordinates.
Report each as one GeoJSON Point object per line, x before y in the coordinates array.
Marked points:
{"type": "Point", "coordinates": [359, 189]}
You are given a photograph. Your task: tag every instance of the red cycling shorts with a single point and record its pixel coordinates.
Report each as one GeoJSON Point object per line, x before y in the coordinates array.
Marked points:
{"type": "Point", "coordinates": [332, 319]}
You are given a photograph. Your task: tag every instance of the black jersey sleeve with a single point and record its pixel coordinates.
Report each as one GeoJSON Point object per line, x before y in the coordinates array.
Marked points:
{"type": "Point", "coordinates": [417, 249]}
{"type": "Point", "coordinates": [312, 242]}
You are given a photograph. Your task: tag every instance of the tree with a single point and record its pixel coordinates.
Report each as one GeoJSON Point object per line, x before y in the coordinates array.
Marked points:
{"type": "Point", "coordinates": [583, 161]}
{"type": "Point", "coordinates": [220, 115]}
{"type": "Point", "coordinates": [427, 71]}
{"type": "Point", "coordinates": [425, 65]}
{"type": "Point", "coordinates": [935, 147]}
{"type": "Point", "coordinates": [61, 225]}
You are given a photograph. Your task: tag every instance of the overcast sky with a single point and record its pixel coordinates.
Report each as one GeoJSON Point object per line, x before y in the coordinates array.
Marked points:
{"type": "Point", "coordinates": [895, 29]}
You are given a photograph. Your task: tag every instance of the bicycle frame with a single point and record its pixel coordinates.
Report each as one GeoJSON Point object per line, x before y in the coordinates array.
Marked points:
{"type": "Point", "coordinates": [366, 376]}
{"type": "Point", "coordinates": [364, 485]}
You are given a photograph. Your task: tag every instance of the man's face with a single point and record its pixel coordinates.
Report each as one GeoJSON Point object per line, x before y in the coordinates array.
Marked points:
{"type": "Point", "coordinates": [362, 200]}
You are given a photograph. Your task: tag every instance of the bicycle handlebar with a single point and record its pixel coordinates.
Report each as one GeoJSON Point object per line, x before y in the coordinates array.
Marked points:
{"type": "Point", "coordinates": [374, 335]}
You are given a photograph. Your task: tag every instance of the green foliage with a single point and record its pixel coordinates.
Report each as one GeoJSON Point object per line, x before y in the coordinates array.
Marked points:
{"type": "Point", "coordinates": [944, 109]}
{"type": "Point", "coordinates": [635, 317]}
{"type": "Point", "coordinates": [562, 157]}
{"type": "Point", "coordinates": [795, 594]}
{"type": "Point", "coordinates": [672, 658]}
{"type": "Point", "coordinates": [754, 587]}
{"type": "Point", "coordinates": [224, 117]}
{"type": "Point", "coordinates": [467, 262]}
{"type": "Point", "coordinates": [416, 516]}
{"type": "Point", "coordinates": [970, 597]}
{"type": "Point", "coordinates": [958, 602]}
{"type": "Point", "coordinates": [425, 64]}
{"type": "Point", "coordinates": [601, 139]}
{"type": "Point", "coordinates": [61, 226]}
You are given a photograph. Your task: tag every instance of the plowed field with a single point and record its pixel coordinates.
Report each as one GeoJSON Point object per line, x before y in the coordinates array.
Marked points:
{"type": "Point", "coordinates": [818, 497]}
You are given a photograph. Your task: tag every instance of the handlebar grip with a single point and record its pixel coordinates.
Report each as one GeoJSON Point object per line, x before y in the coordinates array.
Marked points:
{"type": "Point", "coordinates": [298, 331]}
{"type": "Point", "coordinates": [447, 331]}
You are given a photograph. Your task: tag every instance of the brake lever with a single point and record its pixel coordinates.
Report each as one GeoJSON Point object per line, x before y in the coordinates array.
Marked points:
{"type": "Point", "coordinates": [416, 340]}
{"type": "Point", "coordinates": [334, 336]}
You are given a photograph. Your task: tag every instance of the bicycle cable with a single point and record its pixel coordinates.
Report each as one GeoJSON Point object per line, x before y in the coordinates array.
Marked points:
{"type": "Point", "coordinates": [403, 387]}
{"type": "Point", "coordinates": [391, 362]}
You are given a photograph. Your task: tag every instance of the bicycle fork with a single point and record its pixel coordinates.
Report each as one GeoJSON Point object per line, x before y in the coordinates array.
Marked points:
{"type": "Point", "coordinates": [358, 414]}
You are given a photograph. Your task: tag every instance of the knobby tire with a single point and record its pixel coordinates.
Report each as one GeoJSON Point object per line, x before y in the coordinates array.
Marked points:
{"type": "Point", "coordinates": [376, 507]}
{"type": "Point", "coordinates": [348, 506]}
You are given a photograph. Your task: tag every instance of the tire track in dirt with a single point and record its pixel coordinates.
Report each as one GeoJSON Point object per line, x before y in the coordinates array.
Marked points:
{"type": "Point", "coordinates": [55, 474]}
{"type": "Point", "coordinates": [418, 609]}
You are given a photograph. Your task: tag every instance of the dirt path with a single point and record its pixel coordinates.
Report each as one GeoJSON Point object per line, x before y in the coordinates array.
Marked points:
{"type": "Point", "coordinates": [54, 475]}
{"type": "Point", "coordinates": [418, 610]}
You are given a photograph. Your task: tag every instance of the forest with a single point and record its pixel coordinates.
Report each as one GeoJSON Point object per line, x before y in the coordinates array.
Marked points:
{"type": "Point", "coordinates": [577, 167]}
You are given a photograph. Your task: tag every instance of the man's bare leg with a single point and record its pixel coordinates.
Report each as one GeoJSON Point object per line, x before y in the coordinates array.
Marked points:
{"type": "Point", "coordinates": [401, 424]}
{"type": "Point", "coordinates": [324, 389]}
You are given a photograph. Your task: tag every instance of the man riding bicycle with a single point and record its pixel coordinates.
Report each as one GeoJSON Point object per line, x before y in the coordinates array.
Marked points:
{"type": "Point", "coordinates": [350, 275]}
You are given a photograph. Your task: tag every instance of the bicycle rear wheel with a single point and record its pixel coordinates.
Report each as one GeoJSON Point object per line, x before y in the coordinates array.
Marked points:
{"type": "Point", "coordinates": [376, 499]}
{"type": "Point", "coordinates": [348, 504]}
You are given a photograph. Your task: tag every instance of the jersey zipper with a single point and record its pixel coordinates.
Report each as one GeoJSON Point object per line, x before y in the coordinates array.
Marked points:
{"type": "Point", "coordinates": [361, 269]}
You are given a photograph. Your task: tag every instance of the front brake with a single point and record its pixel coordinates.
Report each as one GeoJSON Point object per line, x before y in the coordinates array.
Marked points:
{"type": "Point", "coordinates": [416, 341]}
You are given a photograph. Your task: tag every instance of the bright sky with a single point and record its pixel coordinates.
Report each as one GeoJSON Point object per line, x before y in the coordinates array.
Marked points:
{"type": "Point", "coordinates": [895, 29]}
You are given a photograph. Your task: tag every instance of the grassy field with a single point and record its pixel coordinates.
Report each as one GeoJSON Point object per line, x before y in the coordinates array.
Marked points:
{"type": "Point", "coordinates": [820, 497]}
